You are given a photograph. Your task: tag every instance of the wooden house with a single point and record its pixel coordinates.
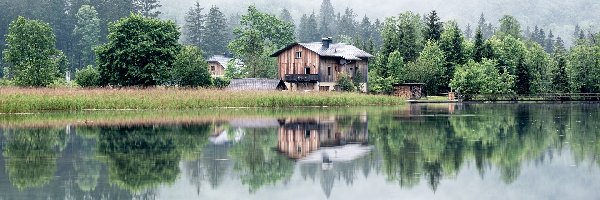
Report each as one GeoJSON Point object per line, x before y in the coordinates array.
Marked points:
{"type": "Point", "coordinates": [317, 66]}
{"type": "Point", "coordinates": [217, 65]}
{"type": "Point", "coordinates": [410, 91]}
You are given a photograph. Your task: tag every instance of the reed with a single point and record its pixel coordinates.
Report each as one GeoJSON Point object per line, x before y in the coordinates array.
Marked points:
{"type": "Point", "coordinates": [26, 100]}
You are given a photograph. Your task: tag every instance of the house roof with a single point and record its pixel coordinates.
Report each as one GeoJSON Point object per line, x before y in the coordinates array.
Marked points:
{"type": "Point", "coordinates": [222, 60]}
{"type": "Point", "coordinates": [341, 50]}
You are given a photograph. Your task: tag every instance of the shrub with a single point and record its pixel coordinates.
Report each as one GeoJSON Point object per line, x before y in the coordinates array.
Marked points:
{"type": "Point", "coordinates": [87, 77]}
{"type": "Point", "coordinates": [190, 69]}
{"type": "Point", "coordinates": [346, 83]}
{"type": "Point", "coordinates": [221, 83]}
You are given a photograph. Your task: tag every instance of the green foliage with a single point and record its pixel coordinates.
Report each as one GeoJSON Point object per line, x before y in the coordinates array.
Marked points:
{"type": "Point", "coordinates": [326, 19]}
{"type": "Point", "coordinates": [509, 25]}
{"type": "Point", "coordinates": [404, 34]}
{"type": "Point", "coordinates": [194, 26]}
{"type": "Point", "coordinates": [482, 78]}
{"type": "Point", "coordinates": [87, 31]}
{"type": "Point", "coordinates": [221, 83]}
{"type": "Point", "coordinates": [428, 68]}
{"type": "Point", "coordinates": [31, 55]}
{"type": "Point", "coordinates": [190, 69]}
{"type": "Point", "coordinates": [451, 43]}
{"type": "Point", "coordinates": [147, 8]}
{"type": "Point", "coordinates": [260, 34]}
{"type": "Point", "coordinates": [433, 26]}
{"type": "Point", "coordinates": [345, 83]}
{"type": "Point", "coordinates": [213, 40]}
{"type": "Point", "coordinates": [306, 30]}
{"type": "Point", "coordinates": [88, 77]}
{"type": "Point", "coordinates": [540, 67]}
{"type": "Point", "coordinates": [478, 49]}
{"type": "Point", "coordinates": [560, 80]}
{"type": "Point", "coordinates": [140, 52]}
{"type": "Point", "coordinates": [583, 68]}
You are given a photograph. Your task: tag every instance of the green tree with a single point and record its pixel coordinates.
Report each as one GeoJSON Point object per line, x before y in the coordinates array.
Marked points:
{"type": "Point", "coordinates": [194, 26]}
{"type": "Point", "coordinates": [479, 46]}
{"type": "Point", "coordinates": [482, 78]}
{"type": "Point", "coordinates": [87, 77]}
{"type": "Point", "coordinates": [433, 26]}
{"type": "Point", "coordinates": [510, 25]}
{"type": "Point", "coordinates": [31, 53]}
{"type": "Point", "coordinates": [260, 34]}
{"type": "Point", "coordinates": [148, 8]}
{"type": "Point", "coordinates": [326, 19]}
{"type": "Point", "coordinates": [286, 16]}
{"type": "Point", "coordinates": [403, 34]}
{"type": "Point", "coordinates": [190, 69]}
{"type": "Point", "coordinates": [306, 31]}
{"type": "Point", "coordinates": [140, 52]}
{"type": "Point", "coordinates": [345, 83]}
{"type": "Point", "coordinates": [583, 68]}
{"type": "Point", "coordinates": [346, 26]}
{"type": "Point", "coordinates": [451, 43]}
{"type": "Point", "coordinates": [214, 39]}
{"type": "Point", "coordinates": [87, 32]}
{"type": "Point", "coordinates": [539, 67]}
{"type": "Point", "coordinates": [428, 69]}
{"type": "Point", "coordinates": [560, 80]}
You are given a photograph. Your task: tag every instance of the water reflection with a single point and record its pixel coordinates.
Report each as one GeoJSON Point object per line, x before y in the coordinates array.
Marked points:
{"type": "Point", "coordinates": [407, 147]}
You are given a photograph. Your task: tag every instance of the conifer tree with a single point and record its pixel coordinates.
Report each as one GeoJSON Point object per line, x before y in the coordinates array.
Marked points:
{"type": "Point", "coordinates": [433, 26]}
{"type": "Point", "coordinates": [194, 26]}
{"type": "Point", "coordinates": [479, 46]}
{"type": "Point", "coordinates": [147, 7]}
{"type": "Point", "coordinates": [286, 16]}
{"type": "Point", "coordinates": [214, 38]}
{"type": "Point", "coordinates": [326, 19]}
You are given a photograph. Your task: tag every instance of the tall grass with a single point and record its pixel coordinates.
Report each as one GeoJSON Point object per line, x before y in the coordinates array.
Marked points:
{"type": "Point", "coordinates": [23, 100]}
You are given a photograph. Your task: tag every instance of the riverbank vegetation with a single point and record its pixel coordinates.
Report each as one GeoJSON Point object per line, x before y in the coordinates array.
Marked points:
{"type": "Point", "coordinates": [24, 100]}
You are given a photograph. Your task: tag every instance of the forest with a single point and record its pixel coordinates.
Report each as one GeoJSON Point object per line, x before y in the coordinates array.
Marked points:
{"type": "Point", "coordinates": [86, 38]}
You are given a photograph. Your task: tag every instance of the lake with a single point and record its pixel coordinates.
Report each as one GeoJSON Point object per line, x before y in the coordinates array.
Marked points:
{"type": "Point", "coordinates": [420, 151]}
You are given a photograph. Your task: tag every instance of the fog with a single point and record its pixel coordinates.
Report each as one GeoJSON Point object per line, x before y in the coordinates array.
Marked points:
{"type": "Point", "coordinates": [560, 16]}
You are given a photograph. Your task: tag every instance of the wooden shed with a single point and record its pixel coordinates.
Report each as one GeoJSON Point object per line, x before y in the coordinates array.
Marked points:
{"type": "Point", "coordinates": [410, 91]}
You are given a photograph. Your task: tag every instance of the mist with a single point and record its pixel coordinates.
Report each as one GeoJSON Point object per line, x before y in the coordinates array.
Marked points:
{"type": "Point", "coordinates": [556, 15]}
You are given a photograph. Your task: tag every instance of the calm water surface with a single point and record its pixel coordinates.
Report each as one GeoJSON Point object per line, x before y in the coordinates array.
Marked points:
{"type": "Point", "coordinates": [468, 151]}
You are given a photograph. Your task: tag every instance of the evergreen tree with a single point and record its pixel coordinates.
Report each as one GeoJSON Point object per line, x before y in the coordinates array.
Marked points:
{"type": "Point", "coordinates": [147, 7]}
{"type": "Point", "coordinates": [549, 45]}
{"type": "Point", "coordinates": [468, 32]}
{"type": "Point", "coordinates": [451, 43]}
{"type": "Point", "coordinates": [286, 16]}
{"type": "Point", "coordinates": [560, 79]}
{"type": "Point", "coordinates": [510, 25]}
{"type": "Point", "coordinates": [479, 46]}
{"type": "Point", "coordinates": [347, 24]}
{"type": "Point", "coordinates": [326, 19]}
{"type": "Point", "coordinates": [214, 39]}
{"type": "Point", "coordinates": [307, 31]}
{"type": "Point", "coordinates": [486, 28]}
{"type": "Point", "coordinates": [403, 34]}
{"type": "Point", "coordinates": [87, 32]}
{"type": "Point", "coordinates": [576, 34]}
{"type": "Point", "coordinates": [194, 26]}
{"type": "Point", "coordinates": [365, 29]}
{"type": "Point", "coordinates": [433, 26]}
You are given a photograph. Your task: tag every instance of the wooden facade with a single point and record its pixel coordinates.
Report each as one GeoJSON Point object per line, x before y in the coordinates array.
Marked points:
{"type": "Point", "coordinates": [299, 60]}
{"type": "Point", "coordinates": [216, 69]}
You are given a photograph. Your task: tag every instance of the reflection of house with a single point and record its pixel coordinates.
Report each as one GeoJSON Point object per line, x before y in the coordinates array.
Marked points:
{"type": "Point", "coordinates": [319, 65]}
{"type": "Point", "coordinates": [314, 139]}
{"type": "Point", "coordinates": [217, 65]}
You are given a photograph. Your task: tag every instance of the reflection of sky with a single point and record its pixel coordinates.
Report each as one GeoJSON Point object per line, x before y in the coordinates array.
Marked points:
{"type": "Point", "coordinates": [555, 179]}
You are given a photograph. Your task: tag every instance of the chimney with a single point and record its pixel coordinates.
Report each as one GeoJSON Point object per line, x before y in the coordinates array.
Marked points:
{"type": "Point", "coordinates": [326, 42]}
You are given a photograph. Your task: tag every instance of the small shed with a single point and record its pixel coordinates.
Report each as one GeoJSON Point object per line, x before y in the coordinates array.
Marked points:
{"type": "Point", "coordinates": [410, 91]}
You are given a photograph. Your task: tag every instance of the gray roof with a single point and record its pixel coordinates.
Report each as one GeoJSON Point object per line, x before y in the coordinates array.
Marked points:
{"type": "Point", "coordinates": [341, 50]}
{"type": "Point", "coordinates": [253, 84]}
{"type": "Point", "coordinates": [222, 60]}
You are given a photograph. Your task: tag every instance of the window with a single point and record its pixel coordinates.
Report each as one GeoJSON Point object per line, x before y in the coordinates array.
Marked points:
{"type": "Point", "coordinates": [328, 71]}
{"type": "Point", "coordinates": [307, 70]}
{"type": "Point", "coordinates": [212, 68]}
{"type": "Point", "coordinates": [298, 55]}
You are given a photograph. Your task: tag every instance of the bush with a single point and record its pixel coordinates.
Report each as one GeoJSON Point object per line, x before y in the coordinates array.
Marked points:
{"type": "Point", "coordinates": [87, 77]}
{"type": "Point", "coordinates": [482, 78]}
{"type": "Point", "coordinates": [6, 83]}
{"type": "Point", "coordinates": [221, 83]}
{"type": "Point", "coordinates": [346, 83]}
{"type": "Point", "coordinates": [61, 83]}
{"type": "Point", "coordinates": [190, 69]}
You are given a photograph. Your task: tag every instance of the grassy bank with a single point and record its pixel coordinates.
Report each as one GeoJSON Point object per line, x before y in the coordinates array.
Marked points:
{"type": "Point", "coordinates": [23, 100]}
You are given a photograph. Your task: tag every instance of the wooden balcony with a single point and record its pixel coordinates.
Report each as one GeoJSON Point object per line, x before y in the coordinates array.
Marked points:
{"type": "Point", "coordinates": [301, 78]}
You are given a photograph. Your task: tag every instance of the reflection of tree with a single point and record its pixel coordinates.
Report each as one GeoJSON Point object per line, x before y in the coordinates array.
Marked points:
{"type": "Point", "coordinates": [139, 157]}
{"type": "Point", "coordinates": [87, 167]}
{"type": "Point", "coordinates": [31, 156]}
{"type": "Point", "coordinates": [257, 162]}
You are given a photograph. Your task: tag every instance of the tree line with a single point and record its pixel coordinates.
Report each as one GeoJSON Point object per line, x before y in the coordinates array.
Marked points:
{"type": "Point", "coordinates": [121, 49]}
